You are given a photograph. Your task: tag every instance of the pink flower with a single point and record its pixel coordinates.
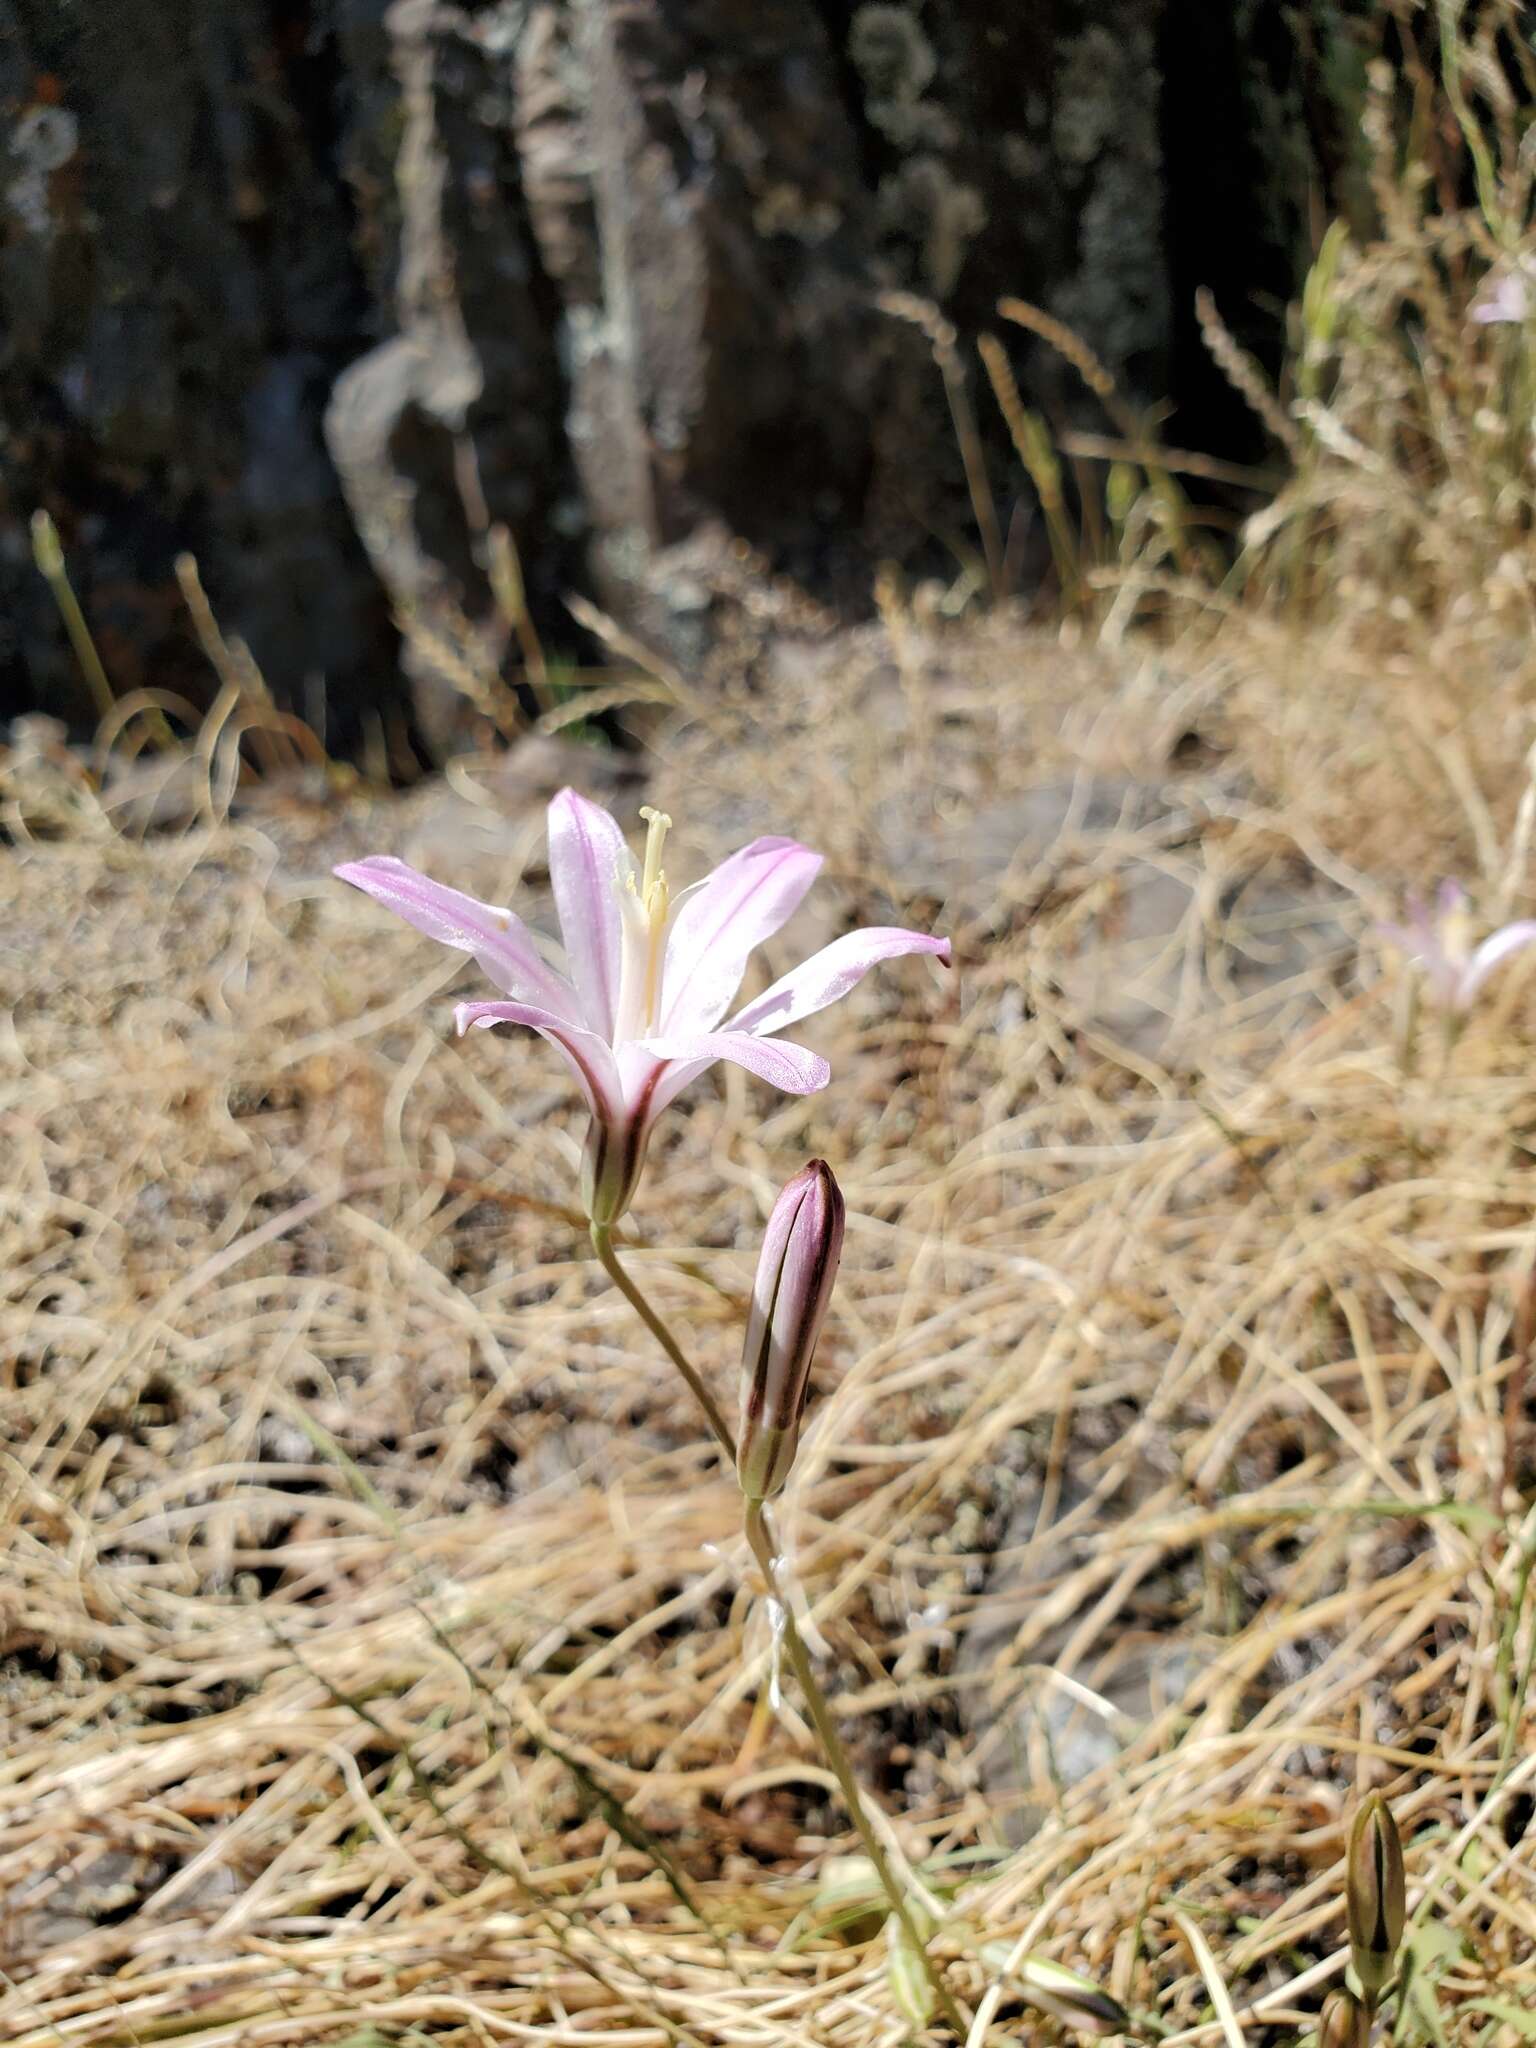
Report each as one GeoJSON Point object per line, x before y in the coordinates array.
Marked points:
{"type": "Point", "coordinates": [642, 1009]}
{"type": "Point", "coordinates": [1439, 944]}
{"type": "Point", "coordinates": [1505, 297]}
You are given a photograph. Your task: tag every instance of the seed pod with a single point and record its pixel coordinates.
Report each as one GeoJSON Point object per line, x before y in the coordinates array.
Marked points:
{"type": "Point", "coordinates": [795, 1272]}
{"type": "Point", "coordinates": [1343, 2022]}
{"type": "Point", "coordinates": [1374, 1894]}
{"type": "Point", "coordinates": [1065, 1994]}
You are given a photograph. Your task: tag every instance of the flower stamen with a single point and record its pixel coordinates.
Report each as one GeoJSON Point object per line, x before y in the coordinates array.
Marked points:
{"type": "Point", "coordinates": [658, 825]}
{"type": "Point", "coordinates": [646, 909]}
{"type": "Point", "coordinates": [655, 899]}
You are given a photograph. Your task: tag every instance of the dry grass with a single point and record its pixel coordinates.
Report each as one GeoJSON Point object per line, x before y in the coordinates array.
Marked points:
{"type": "Point", "coordinates": [1407, 422]}
{"type": "Point", "coordinates": [380, 1658]}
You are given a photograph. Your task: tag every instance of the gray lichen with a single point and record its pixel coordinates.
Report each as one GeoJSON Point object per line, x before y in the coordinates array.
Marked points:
{"type": "Point", "coordinates": [925, 199]}
{"type": "Point", "coordinates": [1104, 137]}
{"type": "Point", "coordinates": [897, 64]}
{"type": "Point", "coordinates": [1089, 102]}
{"type": "Point", "coordinates": [921, 203]}
{"type": "Point", "coordinates": [42, 142]}
{"type": "Point", "coordinates": [783, 209]}
{"type": "Point", "coordinates": [1117, 297]}
{"type": "Point", "coordinates": [891, 54]}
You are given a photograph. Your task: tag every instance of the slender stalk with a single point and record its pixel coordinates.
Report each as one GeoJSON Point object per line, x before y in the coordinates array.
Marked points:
{"type": "Point", "coordinates": [974, 460]}
{"type": "Point", "coordinates": [762, 1548]}
{"type": "Point", "coordinates": [842, 1768]}
{"type": "Point", "coordinates": [1509, 1692]}
{"type": "Point", "coordinates": [602, 1244]}
{"type": "Point", "coordinates": [48, 553]}
{"type": "Point", "coordinates": [49, 556]}
{"type": "Point", "coordinates": [505, 570]}
{"type": "Point", "coordinates": [234, 666]}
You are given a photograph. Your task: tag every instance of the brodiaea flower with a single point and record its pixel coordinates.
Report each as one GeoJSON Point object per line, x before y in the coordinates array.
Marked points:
{"type": "Point", "coordinates": [642, 1010]}
{"type": "Point", "coordinates": [1439, 943]}
{"type": "Point", "coordinates": [1507, 295]}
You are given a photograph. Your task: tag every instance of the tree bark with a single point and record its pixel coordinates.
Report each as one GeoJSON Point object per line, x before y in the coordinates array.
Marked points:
{"type": "Point", "coordinates": [320, 290]}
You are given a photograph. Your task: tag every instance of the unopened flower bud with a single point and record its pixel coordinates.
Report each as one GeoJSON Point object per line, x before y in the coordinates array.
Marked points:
{"type": "Point", "coordinates": [795, 1272]}
{"type": "Point", "coordinates": [1343, 2022]}
{"type": "Point", "coordinates": [1374, 1893]}
{"type": "Point", "coordinates": [1065, 1994]}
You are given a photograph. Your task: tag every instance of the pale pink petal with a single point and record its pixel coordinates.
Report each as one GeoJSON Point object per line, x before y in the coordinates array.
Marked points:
{"type": "Point", "coordinates": [1505, 298]}
{"type": "Point", "coordinates": [501, 943]}
{"type": "Point", "coordinates": [790, 1067]}
{"type": "Point", "coordinates": [746, 900]}
{"type": "Point", "coordinates": [1431, 929]}
{"type": "Point", "coordinates": [1417, 941]}
{"type": "Point", "coordinates": [588, 861]}
{"type": "Point", "coordinates": [1492, 953]}
{"type": "Point", "coordinates": [589, 1056]}
{"type": "Point", "coordinates": [828, 975]}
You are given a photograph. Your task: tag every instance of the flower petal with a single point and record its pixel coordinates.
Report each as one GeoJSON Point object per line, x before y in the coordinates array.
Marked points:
{"type": "Point", "coordinates": [793, 1068]}
{"type": "Point", "coordinates": [589, 1056]}
{"type": "Point", "coordinates": [502, 944]}
{"type": "Point", "coordinates": [829, 975]}
{"type": "Point", "coordinates": [1504, 298]}
{"type": "Point", "coordinates": [1420, 943]}
{"type": "Point", "coordinates": [746, 900]}
{"type": "Point", "coordinates": [1492, 953]}
{"type": "Point", "coordinates": [588, 860]}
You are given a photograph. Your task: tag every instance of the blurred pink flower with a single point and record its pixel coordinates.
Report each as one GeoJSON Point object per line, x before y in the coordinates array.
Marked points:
{"type": "Point", "coordinates": [641, 1011]}
{"type": "Point", "coordinates": [1505, 296]}
{"type": "Point", "coordinates": [1439, 943]}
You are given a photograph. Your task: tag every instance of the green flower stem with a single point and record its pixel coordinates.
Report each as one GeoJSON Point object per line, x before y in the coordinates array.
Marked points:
{"type": "Point", "coordinates": [49, 556]}
{"type": "Point", "coordinates": [762, 1548]}
{"type": "Point", "coordinates": [842, 1768]}
{"type": "Point", "coordinates": [602, 1244]}
{"type": "Point", "coordinates": [1509, 1692]}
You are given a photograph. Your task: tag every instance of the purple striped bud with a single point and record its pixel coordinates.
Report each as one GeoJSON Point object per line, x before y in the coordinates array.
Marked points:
{"type": "Point", "coordinates": [795, 1273]}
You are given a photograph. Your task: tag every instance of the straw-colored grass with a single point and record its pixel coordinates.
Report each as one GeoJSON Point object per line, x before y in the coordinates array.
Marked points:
{"type": "Point", "coordinates": [380, 1657]}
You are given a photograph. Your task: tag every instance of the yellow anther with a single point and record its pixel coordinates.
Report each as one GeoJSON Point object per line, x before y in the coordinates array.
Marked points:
{"type": "Point", "coordinates": [1456, 934]}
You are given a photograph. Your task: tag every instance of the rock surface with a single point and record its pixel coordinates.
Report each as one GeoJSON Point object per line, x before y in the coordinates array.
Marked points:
{"type": "Point", "coordinates": [322, 290]}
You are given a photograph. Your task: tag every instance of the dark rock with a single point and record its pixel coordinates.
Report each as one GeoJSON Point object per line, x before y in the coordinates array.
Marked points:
{"type": "Point", "coordinates": [453, 424]}
{"type": "Point", "coordinates": [321, 290]}
{"type": "Point", "coordinates": [1067, 1702]}
{"type": "Point", "coordinates": [1179, 947]}
{"type": "Point", "coordinates": [177, 290]}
